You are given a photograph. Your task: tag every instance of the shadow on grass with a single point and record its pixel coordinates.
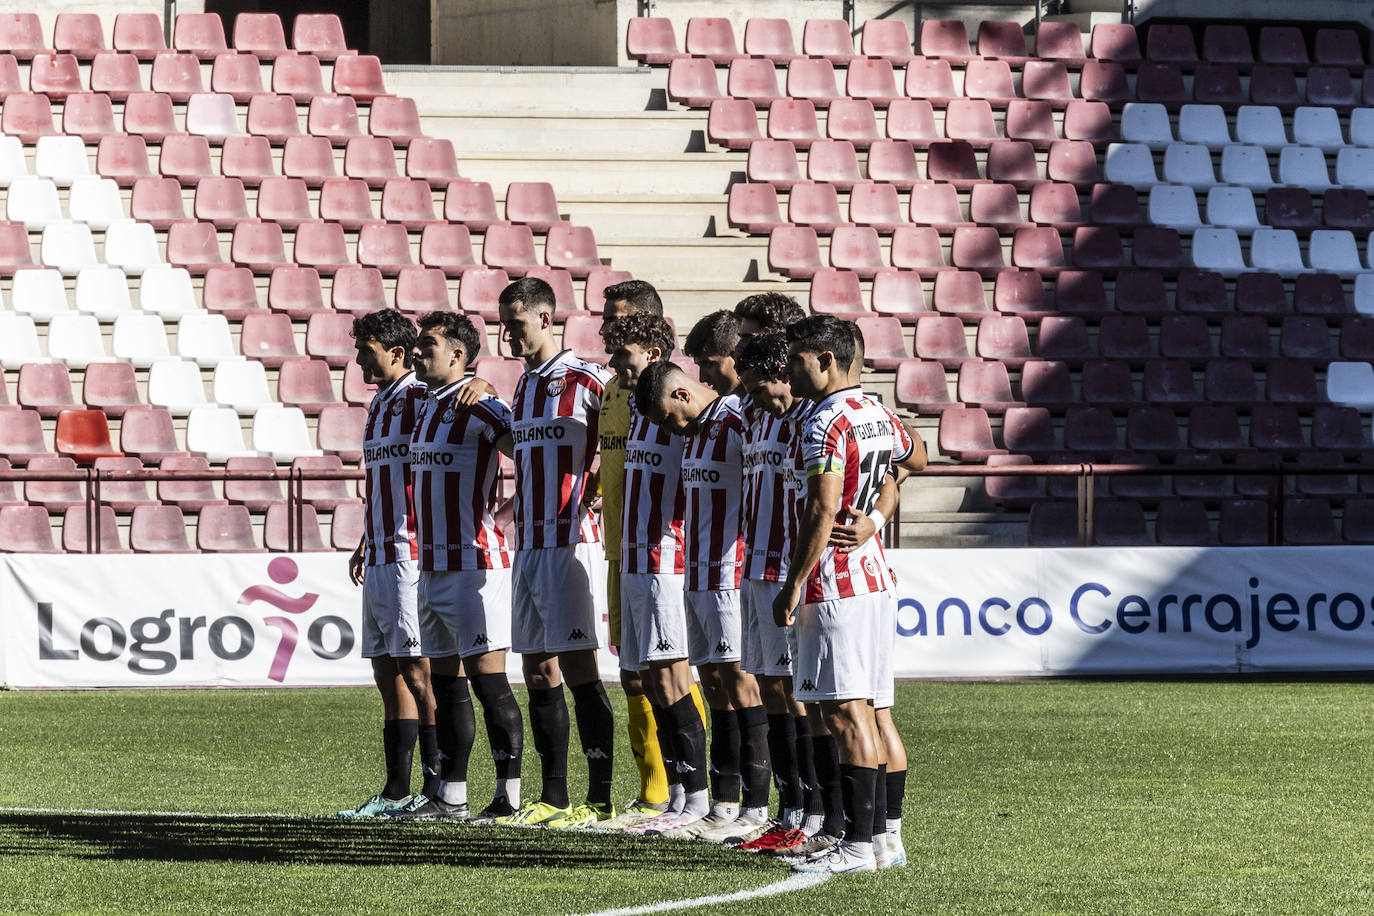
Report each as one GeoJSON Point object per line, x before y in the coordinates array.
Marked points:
{"type": "Point", "coordinates": [327, 841]}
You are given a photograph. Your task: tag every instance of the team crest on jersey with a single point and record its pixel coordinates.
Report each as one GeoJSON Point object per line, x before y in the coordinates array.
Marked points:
{"type": "Point", "coordinates": [396, 408]}
{"type": "Point", "coordinates": [555, 387]}
{"type": "Point", "coordinates": [869, 566]}
{"type": "Point", "coordinates": [450, 414]}
{"type": "Point", "coordinates": [713, 430]}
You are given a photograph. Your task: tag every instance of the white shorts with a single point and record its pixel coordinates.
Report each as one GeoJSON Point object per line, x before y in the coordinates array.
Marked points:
{"type": "Point", "coordinates": [884, 635]}
{"type": "Point", "coordinates": [834, 648]}
{"type": "Point", "coordinates": [469, 608]}
{"type": "Point", "coordinates": [391, 622]}
{"type": "Point", "coordinates": [765, 650]}
{"type": "Point", "coordinates": [558, 598]}
{"type": "Point", "coordinates": [713, 627]}
{"type": "Point", "coordinates": [653, 621]}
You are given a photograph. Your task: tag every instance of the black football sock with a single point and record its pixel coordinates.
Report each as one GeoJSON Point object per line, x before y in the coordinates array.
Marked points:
{"type": "Point", "coordinates": [665, 744]}
{"type": "Point", "coordinates": [858, 785]}
{"type": "Point", "coordinates": [429, 760]}
{"type": "Point", "coordinates": [689, 744]}
{"type": "Point", "coordinates": [596, 729]}
{"type": "Point", "coordinates": [398, 747]}
{"type": "Point", "coordinates": [782, 752]}
{"type": "Point", "coordinates": [755, 766]}
{"type": "Point", "coordinates": [549, 723]}
{"type": "Point", "coordinates": [725, 740]}
{"type": "Point", "coordinates": [880, 801]}
{"type": "Point", "coordinates": [505, 727]}
{"type": "Point", "coordinates": [828, 775]}
{"type": "Point", "coordinates": [896, 792]}
{"type": "Point", "coordinates": [456, 725]}
{"type": "Point", "coordinates": [806, 768]}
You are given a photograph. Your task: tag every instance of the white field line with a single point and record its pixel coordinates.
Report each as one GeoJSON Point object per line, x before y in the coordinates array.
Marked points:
{"type": "Point", "coordinates": [105, 812]}
{"type": "Point", "coordinates": [786, 885]}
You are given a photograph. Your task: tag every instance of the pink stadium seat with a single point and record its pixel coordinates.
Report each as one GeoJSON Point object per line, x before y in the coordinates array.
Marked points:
{"type": "Point", "coordinates": [532, 203]}
{"type": "Point", "coordinates": [139, 34]}
{"type": "Point", "coordinates": [960, 292]}
{"type": "Point", "coordinates": [157, 201]}
{"type": "Point", "coordinates": [248, 159]}
{"type": "Point", "coordinates": [27, 116]}
{"type": "Point", "coordinates": [395, 118]}
{"type": "Point", "coordinates": [260, 34]}
{"type": "Point", "coordinates": [1089, 121]}
{"type": "Point", "coordinates": [21, 435]}
{"type": "Point", "coordinates": [373, 159]}
{"type": "Point", "coordinates": [383, 245]}
{"type": "Point", "coordinates": [305, 383]}
{"type": "Point", "coordinates": [1032, 121]}
{"type": "Point", "coordinates": [853, 120]}
{"type": "Point", "coordinates": [359, 75]}
{"type": "Point", "coordinates": [308, 158]}
{"type": "Point", "coordinates": [193, 245]}
{"type": "Point", "coordinates": [753, 207]}
{"type": "Point", "coordinates": [734, 123]}
{"type": "Point", "coordinates": [1271, 84]}
{"type": "Point", "coordinates": [887, 38]}
{"type": "Point", "coordinates": [893, 162]}
{"type": "Point", "coordinates": [479, 290]}
{"type": "Point", "coordinates": [54, 75]}
{"type": "Point", "coordinates": [147, 432]}
{"type": "Point", "coordinates": [598, 278]}
{"type": "Point", "coordinates": [258, 245]}
{"type": "Point", "coordinates": [652, 40]}
{"type": "Point", "coordinates": [46, 388]}
{"type": "Point", "coordinates": [473, 204]}
{"type": "Point", "coordinates": [501, 374]}
{"type": "Point", "coordinates": [333, 117]}
{"type": "Point", "coordinates": [84, 435]}
{"type": "Point", "coordinates": [200, 33]}
{"type": "Point", "coordinates": [941, 338]}
{"type": "Point", "coordinates": [225, 529]}
{"type": "Point", "coordinates": [931, 79]}
{"type": "Point", "coordinates": [1114, 205]}
{"type": "Point", "coordinates": [448, 247]}
{"type": "Point", "coordinates": [295, 291]}
{"type": "Point", "coordinates": [921, 386]}
{"type": "Point", "coordinates": [1090, 430]}
{"type": "Point", "coordinates": [874, 204]}
{"type": "Point", "coordinates": [1173, 43]}
{"type": "Point", "coordinates": [794, 251]}
{"type": "Point", "coordinates": [328, 336]}
{"type": "Point", "coordinates": [1104, 81]}
{"type": "Point", "coordinates": [346, 201]}
{"type": "Point", "coordinates": [1330, 86]}
{"type": "Point", "coordinates": [346, 525]}
{"type": "Point", "coordinates": [21, 34]}
{"type": "Point", "coordinates": [320, 34]}
{"type": "Point", "coordinates": [1020, 291]}
{"type": "Point", "coordinates": [298, 76]}
{"type": "Point", "coordinates": [1111, 41]}
{"type": "Point", "coordinates": [977, 248]}
{"type": "Point", "coordinates": [918, 248]}
{"type": "Point", "coordinates": [221, 201]}
{"type": "Point", "coordinates": [268, 337]}
{"type": "Point", "coordinates": [321, 245]}
{"type": "Point", "coordinates": [1002, 39]}
{"type": "Point", "coordinates": [712, 38]}
{"type": "Point", "coordinates": [80, 34]}
{"type": "Point", "coordinates": [856, 248]}
{"type": "Point", "coordinates": [836, 292]}
{"type": "Point", "coordinates": [111, 387]}
{"type": "Point", "coordinates": [815, 204]}
{"type": "Point", "coordinates": [872, 80]}
{"type": "Point", "coordinates": [1226, 44]}
{"type": "Point", "coordinates": [54, 495]}
{"type": "Point", "coordinates": [996, 205]}
{"type": "Point", "coordinates": [123, 496]}
{"type": "Point", "coordinates": [357, 289]}
{"type": "Point", "coordinates": [1055, 204]}
{"type": "Point", "coordinates": [1282, 45]}
{"type": "Point", "coordinates": [1063, 338]}
{"type": "Point", "coordinates": [15, 250]}
{"type": "Point", "coordinates": [692, 81]}
{"type": "Point", "coordinates": [424, 289]}
{"type": "Point", "coordinates": [409, 202]}
{"type": "Point", "coordinates": [231, 292]}
{"type": "Point", "coordinates": [177, 75]}
{"type": "Point", "coordinates": [322, 494]}
{"type": "Point", "coordinates": [149, 115]}
{"type": "Point", "coordinates": [427, 159]}
{"type": "Point", "coordinates": [945, 38]}
{"type": "Point", "coordinates": [184, 159]}
{"type": "Point", "coordinates": [237, 75]}
{"type": "Point", "coordinates": [159, 529]}
{"type": "Point", "coordinates": [813, 81]}
{"type": "Point", "coordinates": [769, 38]}
{"type": "Point", "coordinates": [970, 120]}
{"type": "Point", "coordinates": [989, 79]}
{"type": "Point", "coordinates": [1059, 41]}
{"type": "Point", "coordinates": [117, 75]}
{"type": "Point", "coordinates": [830, 39]}
{"type": "Point", "coordinates": [572, 248]}
{"type": "Point", "coordinates": [1013, 161]}
{"type": "Point", "coordinates": [952, 161]}
{"type": "Point", "coordinates": [1003, 338]}
{"type": "Point", "coordinates": [1047, 383]}
{"type": "Point", "coordinates": [965, 434]}
{"type": "Point", "coordinates": [581, 335]}
{"type": "Point", "coordinates": [753, 80]}
{"type": "Point", "coordinates": [88, 115]}
{"type": "Point", "coordinates": [26, 529]}
{"type": "Point", "coordinates": [509, 247]}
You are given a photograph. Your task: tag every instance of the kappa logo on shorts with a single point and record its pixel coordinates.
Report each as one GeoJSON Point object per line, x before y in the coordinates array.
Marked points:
{"type": "Point", "coordinates": [663, 646]}
{"type": "Point", "coordinates": [784, 659]}
{"type": "Point", "coordinates": [577, 634]}
{"type": "Point", "coordinates": [807, 685]}
{"type": "Point", "coordinates": [411, 643]}
{"type": "Point", "coordinates": [481, 640]}
{"type": "Point", "coordinates": [722, 646]}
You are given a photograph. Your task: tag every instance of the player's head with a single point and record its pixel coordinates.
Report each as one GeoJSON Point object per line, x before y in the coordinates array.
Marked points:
{"type": "Point", "coordinates": [626, 297]}
{"type": "Point", "coordinates": [711, 345]}
{"type": "Point", "coordinates": [446, 346]}
{"type": "Point", "coordinates": [820, 352]}
{"type": "Point", "coordinates": [669, 397]}
{"type": "Point", "coordinates": [762, 365]}
{"type": "Point", "coordinates": [770, 311]}
{"type": "Point", "coordinates": [856, 368]}
{"type": "Point", "coordinates": [385, 343]}
{"type": "Point", "coordinates": [636, 341]}
{"type": "Point", "coordinates": [526, 310]}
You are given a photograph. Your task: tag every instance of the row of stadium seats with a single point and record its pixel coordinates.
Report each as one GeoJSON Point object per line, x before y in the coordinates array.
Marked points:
{"type": "Point", "coordinates": [654, 41]}
{"type": "Point", "coordinates": [141, 34]}
{"type": "Point", "coordinates": [1240, 523]}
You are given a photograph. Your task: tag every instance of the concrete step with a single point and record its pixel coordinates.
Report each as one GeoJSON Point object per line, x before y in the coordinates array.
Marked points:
{"type": "Point", "coordinates": [649, 216]}
{"type": "Point", "coordinates": [595, 132]}
{"type": "Point", "coordinates": [655, 259]}
{"type": "Point", "coordinates": [609, 178]}
{"type": "Point", "coordinates": [460, 90]}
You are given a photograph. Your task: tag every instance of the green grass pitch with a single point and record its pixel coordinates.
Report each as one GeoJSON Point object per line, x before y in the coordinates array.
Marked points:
{"type": "Point", "coordinates": [1023, 797]}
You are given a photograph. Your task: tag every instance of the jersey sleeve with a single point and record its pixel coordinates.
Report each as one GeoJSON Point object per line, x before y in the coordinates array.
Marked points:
{"type": "Point", "coordinates": [497, 415]}
{"type": "Point", "coordinates": [901, 439]}
{"type": "Point", "coordinates": [822, 447]}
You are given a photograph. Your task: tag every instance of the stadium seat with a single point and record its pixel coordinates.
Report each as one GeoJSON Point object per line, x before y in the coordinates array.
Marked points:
{"type": "Point", "coordinates": [26, 529]}
{"type": "Point", "coordinates": [46, 388]}
{"type": "Point", "coordinates": [215, 431]}
{"type": "Point", "coordinates": [357, 289]}
{"type": "Point", "coordinates": [396, 118]}
{"type": "Point", "coordinates": [122, 159]}
{"type": "Point", "coordinates": [320, 34]}
{"type": "Point", "coordinates": [922, 386]}
{"type": "Point", "coordinates": [965, 434]}
{"type": "Point", "coordinates": [73, 338]}
{"type": "Point", "coordinates": [856, 249]}
{"type": "Point", "coordinates": [260, 34]}
{"type": "Point", "coordinates": [893, 162]}
{"type": "Point", "coordinates": [225, 529]}
{"type": "Point", "coordinates": [930, 80]}
{"type": "Point", "coordinates": [280, 431]}
{"type": "Point", "coordinates": [427, 159]}
{"type": "Point", "coordinates": [753, 80]}
{"type": "Point", "coordinates": [241, 384]}
{"type": "Point", "coordinates": [213, 116]}
{"type": "Point", "coordinates": [652, 39]}
{"type": "Point", "coordinates": [510, 248]}
{"type": "Point", "coordinates": [305, 383]}
{"type": "Point", "coordinates": [157, 201]}
{"type": "Point", "coordinates": [385, 246]}
{"type": "Point", "coordinates": [277, 527]}
{"type": "Point", "coordinates": [359, 75]}
{"type": "Point", "coordinates": [283, 201]}
{"type": "Point", "coordinates": [111, 387]}
{"type": "Point", "coordinates": [260, 246]}
{"type": "Point", "coordinates": [237, 75]}
{"type": "Point", "coordinates": [423, 289]}
{"type": "Point", "coordinates": [339, 431]}
{"type": "Point", "coordinates": [123, 496]}
{"type": "Point", "coordinates": [204, 338]}
{"type": "Point", "coordinates": [84, 435]}
{"type": "Point", "coordinates": [711, 38]}
{"type": "Point", "coordinates": [753, 207]}
{"type": "Point", "coordinates": [322, 494]}
{"type": "Point", "coordinates": [54, 495]}
{"type": "Point", "coordinates": [733, 123]}
{"type": "Point", "coordinates": [95, 202]}
{"type": "Point", "coordinates": [872, 80]}
{"type": "Point", "coordinates": [373, 159]}
{"type": "Point", "coordinates": [308, 158]}
{"type": "Point", "coordinates": [268, 338]}
{"type": "Point", "coordinates": [201, 34]}
{"type": "Point", "coordinates": [76, 536]}
{"type": "Point", "coordinates": [333, 117]}
{"type": "Point", "coordinates": [989, 80]}
{"type": "Point", "coordinates": [160, 528]}
{"type": "Point", "coordinates": [176, 75]}
{"type": "Point", "coordinates": [328, 336]}
{"type": "Point", "coordinates": [40, 294]}
{"type": "Point", "coordinates": [447, 246]}
{"type": "Point", "coordinates": [471, 203]}
{"type": "Point", "coordinates": [176, 385]}
{"type": "Point", "coordinates": [409, 202]}
{"type": "Point", "coordinates": [1104, 81]}
{"type": "Point", "coordinates": [139, 338]}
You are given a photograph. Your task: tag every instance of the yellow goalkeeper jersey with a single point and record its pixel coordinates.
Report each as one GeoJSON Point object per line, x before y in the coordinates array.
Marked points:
{"type": "Point", "coordinates": [614, 428]}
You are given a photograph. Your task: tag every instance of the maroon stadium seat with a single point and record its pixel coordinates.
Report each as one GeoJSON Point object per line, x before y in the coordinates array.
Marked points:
{"type": "Point", "coordinates": [257, 495]}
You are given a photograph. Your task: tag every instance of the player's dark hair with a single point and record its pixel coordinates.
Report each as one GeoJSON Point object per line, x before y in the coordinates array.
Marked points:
{"type": "Point", "coordinates": [770, 311]}
{"type": "Point", "coordinates": [715, 335]}
{"type": "Point", "coordinates": [458, 328]}
{"type": "Point", "coordinates": [532, 292]}
{"type": "Point", "coordinates": [765, 355]}
{"type": "Point", "coordinates": [655, 381]}
{"type": "Point", "coordinates": [644, 329]}
{"type": "Point", "coordinates": [389, 328]}
{"type": "Point", "coordinates": [822, 333]}
{"type": "Point", "coordinates": [638, 294]}
{"type": "Point", "coordinates": [858, 333]}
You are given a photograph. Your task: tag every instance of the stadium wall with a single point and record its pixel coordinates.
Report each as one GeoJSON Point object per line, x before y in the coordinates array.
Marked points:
{"type": "Point", "coordinates": [295, 620]}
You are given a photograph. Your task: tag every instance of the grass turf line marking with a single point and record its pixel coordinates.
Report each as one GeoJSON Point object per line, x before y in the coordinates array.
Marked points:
{"type": "Point", "coordinates": [786, 885]}
{"type": "Point", "coordinates": [204, 815]}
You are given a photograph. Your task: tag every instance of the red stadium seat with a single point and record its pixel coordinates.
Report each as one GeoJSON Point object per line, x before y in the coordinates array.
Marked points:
{"type": "Point", "coordinates": [532, 203]}
{"type": "Point", "coordinates": [193, 245]}
{"type": "Point", "coordinates": [123, 496]}
{"type": "Point", "coordinates": [277, 526]}
{"type": "Point", "coordinates": [884, 343]}
{"type": "Point", "coordinates": [27, 116]}
{"type": "Point", "coordinates": [1003, 338]}
{"type": "Point", "coordinates": [960, 292]}
{"type": "Point", "coordinates": [887, 38]}
{"type": "Point", "coordinates": [898, 293]}
{"type": "Point", "coordinates": [918, 248]}
{"type": "Point", "coordinates": [965, 434]}
{"type": "Point", "coordinates": [510, 248]}
{"type": "Point", "coordinates": [836, 292]}
{"type": "Point", "coordinates": [310, 159]}
{"type": "Point", "coordinates": [693, 82]}
{"type": "Point", "coordinates": [333, 117]}
{"type": "Point", "coordinates": [893, 162]}
{"type": "Point", "coordinates": [794, 251]}
{"type": "Point", "coordinates": [328, 336]}
{"type": "Point", "coordinates": [945, 38]}
{"type": "Point", "coordinates": [856, 249]}
{"type": "Point", "coordinates": [773, 161]}
{"type": "Point", "coordinates": [21, 34]}
{"type": "Point", "coordinates": [80, 34]}
{"type": "Point", "coordinates": [184, 158]}
{"type": "Point", "coordinates": [84, 435]}
{"type": "Point", "coordinates": [295, 291]}
{"type": "Point", "coordinates": [111, 387]}
{"type": "Point", "coordinates": [572, 248]}
{"type": "Point", "coordinates": [941, 338]}
{"type": "Point", "coordinates": [873, 204]}
{"type": "Point", "coordinates": [873, 80]}
{"type": "Point", "coordinates": [598, 278]}
{"type": "Point", "coordinates": [753, 207]}
{"type": "Point", "coordinates": [322, 494]}
{"type": "Point", "coordinates": [157, 201]}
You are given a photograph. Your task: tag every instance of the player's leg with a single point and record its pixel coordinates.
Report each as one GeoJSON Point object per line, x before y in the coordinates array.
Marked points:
{"type": "Point", "coordinates": [725, 735]}
{"type": "Point", "coordinates": [640, 725]}
{"type": "Point", "coordinates": [505, 729]}
{"type": "Point", "coordinates": [887, 845]}
{"type": "Point", "coordinates": [894, 787]}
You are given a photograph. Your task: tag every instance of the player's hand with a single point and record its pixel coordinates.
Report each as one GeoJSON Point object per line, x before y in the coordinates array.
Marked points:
{"type": "Point", "coordinates": [355, 566]}
{"type": "Point", "coordinates": [850, 537]}
{"type": "Point", "coordinates": [784, 604]}
{"type": "Point", "coordinates": [473, 392]}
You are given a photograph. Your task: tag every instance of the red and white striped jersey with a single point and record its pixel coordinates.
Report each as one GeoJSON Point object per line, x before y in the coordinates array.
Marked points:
{"type": "Point", "coordinates": [653, 503]}
{"type": "Point", "coordinates": [456, 469]}
{"type": "Point", "coordinates": [390, 524]}
{"type": "Point", "coordinates": [556, 411]}
{"type": "Point", "coordinates": [771, 451]}
{"type": "Point", "coordinates": [712, 477]}
{"type": "Point", "coordinates": [851, 434]}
